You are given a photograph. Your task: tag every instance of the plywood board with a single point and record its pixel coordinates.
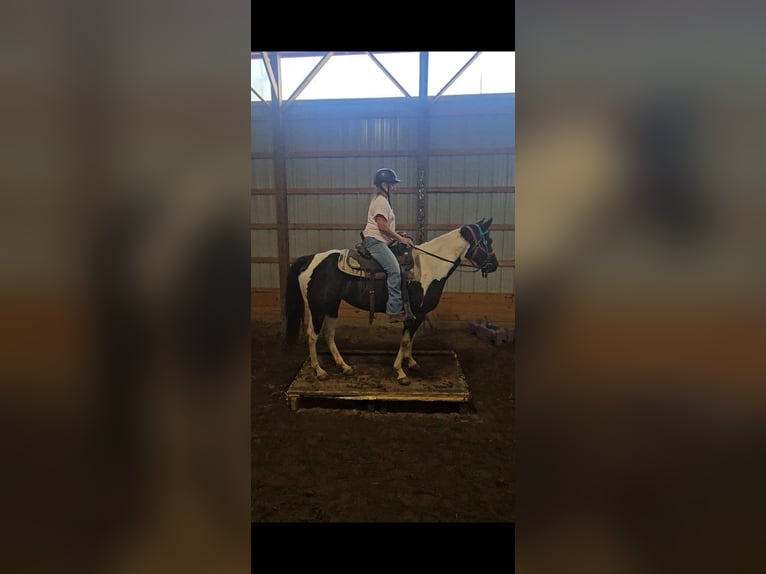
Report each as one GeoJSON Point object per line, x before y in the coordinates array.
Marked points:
{"type": "Point", "coordinates": [440, 378]}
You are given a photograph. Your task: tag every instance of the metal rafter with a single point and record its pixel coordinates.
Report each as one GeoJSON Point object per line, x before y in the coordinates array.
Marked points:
{"type": "Point", "coordinates": [274, 83]}
{"type": "Point", "coordinates": [257, 95]}
{"type": "Point", "coordinates": [308, 78]}
{"type": "Point", "coordinates": [388, 74]}
{"type": "Point", "coordinates": [456, 76]}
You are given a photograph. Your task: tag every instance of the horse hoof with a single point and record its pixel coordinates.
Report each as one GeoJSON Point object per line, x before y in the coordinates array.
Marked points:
{"type": "Point", "coordinates": [404, 382]}
{"type": "Point", "coordinates": [414, 367]}
{"type": "Point", "coordinates": [322, 376]}
{"type": "Point", "coordinates": [349, 371]}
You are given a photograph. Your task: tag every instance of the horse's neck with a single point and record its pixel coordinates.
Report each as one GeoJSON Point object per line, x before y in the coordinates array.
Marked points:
{"type": "Point", "coordinates": [450, 246]}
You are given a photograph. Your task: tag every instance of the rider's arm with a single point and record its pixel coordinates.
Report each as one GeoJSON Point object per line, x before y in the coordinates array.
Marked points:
{"type": "Point", "coordinates": [387, 231]}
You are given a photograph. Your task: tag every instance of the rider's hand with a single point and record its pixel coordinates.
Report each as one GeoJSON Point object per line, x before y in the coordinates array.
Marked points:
{"type": "Point", "coordinates": [406, 240]}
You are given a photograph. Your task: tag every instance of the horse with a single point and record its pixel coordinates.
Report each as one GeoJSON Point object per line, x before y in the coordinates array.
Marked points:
{"type": "Point", "coordinates": [315, 281]}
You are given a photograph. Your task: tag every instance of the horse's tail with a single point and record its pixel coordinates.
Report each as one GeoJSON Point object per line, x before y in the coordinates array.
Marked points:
{"type": "Point", "coordinates": [294, 308]}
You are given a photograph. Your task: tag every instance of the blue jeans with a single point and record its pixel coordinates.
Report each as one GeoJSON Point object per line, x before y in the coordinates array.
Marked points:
{"type": "Point", "coordinates": [383, 255]}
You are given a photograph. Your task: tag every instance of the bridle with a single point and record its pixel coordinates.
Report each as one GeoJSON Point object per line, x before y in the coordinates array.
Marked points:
{"type": "Point", "coordinates": [479, 243]}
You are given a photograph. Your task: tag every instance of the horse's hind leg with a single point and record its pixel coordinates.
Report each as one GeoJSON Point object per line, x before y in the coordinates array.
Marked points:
{"type": "Point", "coordinates": [329, 331]}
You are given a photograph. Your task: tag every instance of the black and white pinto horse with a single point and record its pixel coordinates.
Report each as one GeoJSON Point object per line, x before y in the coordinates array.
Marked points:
{"type": "Point", "coordinates": [316, 282]}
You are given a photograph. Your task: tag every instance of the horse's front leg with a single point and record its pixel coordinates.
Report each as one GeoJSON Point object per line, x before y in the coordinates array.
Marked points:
{"type": "Point", "coordinates": [329, 331]}
{"type": "Point", "coordinates": [411, 362]}
{"type": "Point", "coordinates": [412, 328]}
{"type": "Point", "coordinates": [311, 331]}
{"type": "Point", "coordinates": [404, 351]}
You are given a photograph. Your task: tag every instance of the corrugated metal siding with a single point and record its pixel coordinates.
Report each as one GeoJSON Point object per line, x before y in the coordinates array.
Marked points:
{"type": "Point", "coordinates": [307, 241]}
{"type": "Point", "coordinates": [263, 208]}
{"type": "Point", "coordinates": [476, 125]}
{"type": "Point", "coordinates": [261, 139]}
{"type": "Point", "coordinates": [340, 208]}
{"type": "Point", "coordinates": [351, 134]}
{"type": "Point", "coordinates": [473, 131]}
{"type": "Point", "coordinates": [455, 125]}
{"type": "Point", "coordinates": [263, 242]}
{"type": "Point", "coordinates": [264, 275]}
{"type": "Point", "coordinates": [262, 174]}
{"type": "Point", "coordinates": [339, 173]}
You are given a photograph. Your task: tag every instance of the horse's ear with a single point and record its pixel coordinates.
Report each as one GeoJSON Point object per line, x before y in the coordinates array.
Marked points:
{"type": "Point", "coordinates": [481, 221]}
{"type": "Point", "coordinates": [486, 223]}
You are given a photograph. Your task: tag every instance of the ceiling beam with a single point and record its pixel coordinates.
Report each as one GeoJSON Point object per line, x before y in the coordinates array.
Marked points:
{"type": "Point", "coordinates": [388, 74]}
{"type": "Point", "coordinates": [270, 72]}
{"type": "Point", "coordinates": [308, 78]}
{"type": "Point", "coordinates": [257, 95]}
{"type": "Point", "coordinates": [456, 76]}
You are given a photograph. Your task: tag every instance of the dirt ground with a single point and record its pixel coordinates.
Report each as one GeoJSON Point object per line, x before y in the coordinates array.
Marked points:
{"type": "Point", "coordinates": [347, 461]}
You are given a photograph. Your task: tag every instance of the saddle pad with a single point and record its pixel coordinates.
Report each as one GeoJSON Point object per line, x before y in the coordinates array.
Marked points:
{"type": "Point", "coordinates": [351, 266]}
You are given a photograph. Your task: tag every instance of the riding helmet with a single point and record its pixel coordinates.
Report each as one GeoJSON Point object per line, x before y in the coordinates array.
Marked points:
{"type": "Point", "coordinates": [387, 175]}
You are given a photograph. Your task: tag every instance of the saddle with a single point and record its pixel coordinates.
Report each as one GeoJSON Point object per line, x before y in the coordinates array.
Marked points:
{"type": "Point", "coordinates": [359, 263]}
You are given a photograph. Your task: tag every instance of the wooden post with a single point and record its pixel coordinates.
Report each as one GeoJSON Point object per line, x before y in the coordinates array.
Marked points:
{"type": "Point", "coordinates": [280, 184]}
{"type": "Point", "coordinates": [422, 150]}
{"type": "Point", "coordinates": [424, 125]}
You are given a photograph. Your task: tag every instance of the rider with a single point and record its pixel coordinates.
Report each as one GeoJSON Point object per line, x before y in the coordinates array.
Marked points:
{"type": "Point", "coordinates": [379, 234]}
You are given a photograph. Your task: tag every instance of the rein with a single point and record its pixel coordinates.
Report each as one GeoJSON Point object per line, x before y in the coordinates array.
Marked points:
{"type": "Point", "coordinates": [474, 267]}
{"type": "Point", "coordinates": [432, 254]}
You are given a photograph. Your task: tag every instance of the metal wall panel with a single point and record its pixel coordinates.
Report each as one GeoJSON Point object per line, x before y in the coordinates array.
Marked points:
{"type": "Point", "coordinates": [263, 242]}
{"type": "Point", "coordinates": [472, 143]}
{"type": "Point", "coordinates": [348, 208]}
{"type": "Point", "coordinates": [264, 275]}
{"type": "Point", "coordinates": [364, 134]}
{"type": "Point", "coordinates": [478, 134]}
{"type": "Point", "coordinates": [405, 208]}
{"type": "Point", "coordinates": [308, 241]}
{"type": "Point", "coordinates": [491, 170]}
{"type": "Point", "coordinates": [344, 209]}
{"type": "Point", "coordinates": [263, 209]}
{"type": "Point", "coordinates": [262, 174]}
{"type": "Point", "coordinates": [472, 131]}
{"type": "Point", "coordinates": [261, 139]}
{"type": "Point", "coordinates": [342, 172]}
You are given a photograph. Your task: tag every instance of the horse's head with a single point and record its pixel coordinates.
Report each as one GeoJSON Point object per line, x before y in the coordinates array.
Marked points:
{"type": "Point", "coordinates": [480, 252]}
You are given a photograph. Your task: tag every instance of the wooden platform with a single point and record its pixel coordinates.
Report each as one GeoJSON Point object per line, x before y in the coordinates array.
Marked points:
{"type": "Point", "coordinates": [440, 379]}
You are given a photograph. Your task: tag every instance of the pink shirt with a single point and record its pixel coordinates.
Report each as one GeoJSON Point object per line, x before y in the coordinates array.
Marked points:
{"type": "Point", "coordinates": [379, 206]}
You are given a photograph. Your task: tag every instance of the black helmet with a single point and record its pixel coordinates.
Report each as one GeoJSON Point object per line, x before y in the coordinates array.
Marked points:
{"type": "Point", "coordinates": [387, 175]}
